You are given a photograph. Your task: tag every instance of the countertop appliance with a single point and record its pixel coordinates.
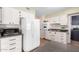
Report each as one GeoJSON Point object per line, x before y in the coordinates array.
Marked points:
{"type": "Point", "coordinates": [31, 33]}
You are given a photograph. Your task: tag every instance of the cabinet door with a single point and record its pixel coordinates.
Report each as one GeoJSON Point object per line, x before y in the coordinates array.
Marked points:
{"type": "Point", "coordinates": [10, 16]}
{"type": "Point", "coordinates": [57, 37]}
{"type": "Point", "coordinates": [15, 15]}
{"type": "Point", "coordinates": [52, 35]}
{"type": "Point", "coordinates": [46, 34]}
{"type": "Point", "coordinates": [49, 37]}
{"type": "Point", "coordinates": [63, 19]}
{"type": "Point", "coordinates": [6, 16]}
{"type": "Point", "coordinates": [4, 45]}
{"type": "Point", "coordinates": [63, 37]}
{"type": "Point", "coordinates": [19, 43]}
{"type": "Point", "coordinates": [54, 19]}
{"type": "Point", "coordinates": [57, 19]}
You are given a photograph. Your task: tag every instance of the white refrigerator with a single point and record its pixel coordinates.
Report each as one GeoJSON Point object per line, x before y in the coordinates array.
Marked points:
{"type": "Point", "coordinates": [31, 33]}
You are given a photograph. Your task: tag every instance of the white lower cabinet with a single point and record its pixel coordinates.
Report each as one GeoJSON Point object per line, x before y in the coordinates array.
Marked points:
{"type": "Point", "coordinates": [11, 44]}
{"type": "Point", "coordinates": [57, 36]}
{"type": "Point", "coordinates": [4, 45]}
{"type": "Point", "coordinates": [63, 37]}
{"type": "Point", "coordinates": [51, 35]}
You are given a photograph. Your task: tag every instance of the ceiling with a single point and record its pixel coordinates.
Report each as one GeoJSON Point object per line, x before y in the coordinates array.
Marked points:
{"type": "Point", "coordinates": [41, 11]}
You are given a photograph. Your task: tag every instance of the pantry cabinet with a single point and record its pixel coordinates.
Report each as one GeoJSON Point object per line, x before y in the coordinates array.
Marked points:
{"type": "Point", "coordinates": [11, 44]}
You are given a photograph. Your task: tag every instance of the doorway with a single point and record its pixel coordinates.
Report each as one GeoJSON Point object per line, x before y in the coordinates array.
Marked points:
{"type": "Point", "coordinates": [74, 29]}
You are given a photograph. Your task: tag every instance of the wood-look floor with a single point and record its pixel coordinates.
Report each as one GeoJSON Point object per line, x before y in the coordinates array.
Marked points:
{"type": "Point", "coordinates": [52, 46]}
{"type": "Point", "coordinates": [43, 42]}
{"type": "Point", "coordinates": [75, 43]}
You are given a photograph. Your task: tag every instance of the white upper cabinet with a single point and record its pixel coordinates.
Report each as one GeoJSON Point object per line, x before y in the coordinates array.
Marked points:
{"type": "Point", "coordinates": [63, 19]}
{"type": "Point", "coordinates": [54, 19]}
{"type": "Point", "coordinates": [10, 16]}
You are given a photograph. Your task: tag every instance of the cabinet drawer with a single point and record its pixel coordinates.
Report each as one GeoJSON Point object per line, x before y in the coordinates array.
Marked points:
{"type": "Point", "coordinates": [13, 39]}
{"type": "Point", "coordinates": [15, 47]}
{"type": "Point", "coordinates": [12, 49]}
{"type": "Point", "coordinates": [12, 45]}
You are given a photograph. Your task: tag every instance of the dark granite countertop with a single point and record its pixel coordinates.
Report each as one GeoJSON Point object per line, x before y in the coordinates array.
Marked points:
{"type": "Point", "coordinates": [10, 35]}
{"type": "Point", "coordinates": [60, 30]}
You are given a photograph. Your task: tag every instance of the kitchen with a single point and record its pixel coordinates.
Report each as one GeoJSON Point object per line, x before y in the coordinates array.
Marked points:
{"type": "Point", "coordinates": [61, 28]}
{"type": "Point", "coordinates": [25, 29]}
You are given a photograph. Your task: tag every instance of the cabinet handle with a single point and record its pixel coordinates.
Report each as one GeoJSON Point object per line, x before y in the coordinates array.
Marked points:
{"type": "Point", "coordinates": [12, 39]}
{"type": "Point", "coordinates": [13, 44]}
{"type": "Point", "coordinates": [12, 48]}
